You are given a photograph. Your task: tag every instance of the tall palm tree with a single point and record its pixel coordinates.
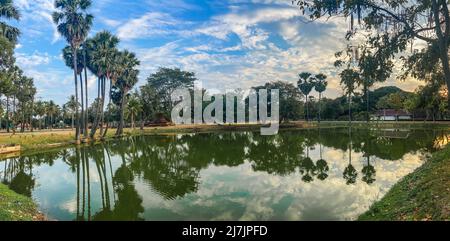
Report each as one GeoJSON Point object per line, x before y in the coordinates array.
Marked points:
{"type": "Point", "coordinates": [102, 49]}
{"type": "Point", "coordinates": [320, 86]}
{"type": "Point", "coordinates": [68, 57]}
{"type": "Point", "coordinates": [74, 24]}
{"type": "Point", "coordinates": [306, 84]}
{"type": "Point", "coordinates": [349, 81]}
{"type": "Point", "coordinates": [9, 11]}
{"type": "Point", "coordinates": [125, 82]}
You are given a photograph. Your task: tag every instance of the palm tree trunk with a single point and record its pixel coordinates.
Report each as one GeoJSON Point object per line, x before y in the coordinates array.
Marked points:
{"type": "Point", "coordinates": [108, 117]}
{"type": "Point", "coordinates": [77, 131]}
{"type": "Point", "coordinates": [367, 104]}
{"type": "Point", "coordinates": [350, 108]}
{"type": "Point", "coordinates": [122, 110]}
{"type": "Point", "coordinates": [86, 113]}
{"type": "Point", "coordinates": [82, 105]}
{"type": "Point", "coordinates": [97, 109]}
{"type": "Point", "coordinates": [31, 115]}
{"type": "Point", "coordinates": [320, 105]}
{"type": "Point", "coordinates": [7, 114]}
{"type": "Point", "coordinates": [102, 112]}
{"type": "Point", "coordinates": [307, 109]}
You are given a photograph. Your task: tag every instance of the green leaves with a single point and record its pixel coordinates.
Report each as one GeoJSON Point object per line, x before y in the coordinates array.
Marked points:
{"type": "Point", "coordinates": [72, 20]}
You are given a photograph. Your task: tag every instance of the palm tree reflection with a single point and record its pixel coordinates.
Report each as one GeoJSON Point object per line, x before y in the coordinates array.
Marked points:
{"type": "Point", "coordinates": [107, 175]}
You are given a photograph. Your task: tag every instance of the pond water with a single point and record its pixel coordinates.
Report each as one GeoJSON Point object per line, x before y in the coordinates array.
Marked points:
{"type": "Point", "coordinates": [326, 174]}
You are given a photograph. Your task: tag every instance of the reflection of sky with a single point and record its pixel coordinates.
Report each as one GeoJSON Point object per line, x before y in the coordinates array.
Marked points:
{"type": "Point", "coordinates": [237, 193]}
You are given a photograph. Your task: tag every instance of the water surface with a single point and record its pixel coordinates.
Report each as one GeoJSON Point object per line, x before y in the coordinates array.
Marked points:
{"type": "Point", "coordinates": [327, 174]}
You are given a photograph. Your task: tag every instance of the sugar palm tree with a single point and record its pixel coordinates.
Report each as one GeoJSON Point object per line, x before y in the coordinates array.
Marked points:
{"type": "Point", "coordinates": [73, 23]}
{"type": "Point", "coordinates": [320, 86]}
{"type": "Point", "coordinates": [134, 108]}
{"type": "Point", "coordinates": [68, 57]}
{"type": "Point", "coordinates": [102, 49]}
{"type": "Point", "coordinates": [349, 82]}
{"type": "Point", "coordinates": [71, 107]}
{"type": "Point", "coordinates": [51, 111]}
{"type": "Point", "coordinates": [306, 84]}
{"type": "Point", "coordinates": [125, 82]}
{"type": "Point", "coordinates": [9, 11]}
{"type": "Point", "coordinates": [39, 110]}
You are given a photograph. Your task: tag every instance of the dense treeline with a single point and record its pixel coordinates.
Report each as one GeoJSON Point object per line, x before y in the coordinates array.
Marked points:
{"type": "Point", "coordinates": [119, 103]}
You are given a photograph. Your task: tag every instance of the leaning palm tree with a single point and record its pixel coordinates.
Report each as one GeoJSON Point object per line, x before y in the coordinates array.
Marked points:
{"type": "Point", "coordinates": [320, 87]}
{"type": "Point", "coordinates": [102, 49]}
{"type": "Point", "coordinates": [349, 81]}
{"type": "Point", "coordinates": [74, 24]}
{"type": "Point", "coordinates": [9, 11]}
{"type": "Point", "coordinates": [306, 84]}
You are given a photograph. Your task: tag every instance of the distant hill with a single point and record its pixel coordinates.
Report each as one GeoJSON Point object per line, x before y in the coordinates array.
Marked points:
{"type": "Point", "coordinates": [383, 91]}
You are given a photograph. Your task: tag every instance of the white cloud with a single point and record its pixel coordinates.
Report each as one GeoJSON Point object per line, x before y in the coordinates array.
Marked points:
{"type": "Point", "coordinates": [35, 59]}
{"type": "Point", "coordinates": [150, 24]}
{"type": "Point", "coordinates": [39, 12]}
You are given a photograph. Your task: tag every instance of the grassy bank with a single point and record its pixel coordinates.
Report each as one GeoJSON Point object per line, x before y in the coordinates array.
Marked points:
{"type": "Point", "coordinates": [15, 207]}
{"type": "Point", "coordinates": [422, 195]}
{"type": "Point", "coordinates": [46, 140]}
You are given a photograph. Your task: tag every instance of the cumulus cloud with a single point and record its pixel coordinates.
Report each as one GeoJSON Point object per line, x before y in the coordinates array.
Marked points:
{"type": "Point", "coordinates": [38, 14]}
{"type": "Point", "coordinates": [148, 25]}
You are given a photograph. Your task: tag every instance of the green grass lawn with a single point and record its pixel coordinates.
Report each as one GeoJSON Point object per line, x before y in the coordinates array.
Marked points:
{"type": "Point", "coordinates": [15, 207]}
{"type": "Point", "coordinates": [422, 195]}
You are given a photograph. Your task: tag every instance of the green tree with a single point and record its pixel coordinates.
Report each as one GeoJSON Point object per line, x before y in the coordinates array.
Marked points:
{"type": "Point", "coordinates": [306, 85]}
{"type": "Point", "coordinates": [125, 82]}
{"type": "Point", "coordinates": [68, 57]}
{"type": "Point", "coordinates": [290, 96]}
{"type": "Point", "coordinates": [349, 81]}
{"type": "Point", "coordinates": [399, 24]}
{"type": "Point", "coordinates": [165, 81]}
{"type": "Point", "coordinates": [74, 24]}
{"type": "Point", "coordinates": [392, 101]}
{"type": "Point", "coordinates": [150, 103]}
{"type": "Point", "coordinates": [134, 108]}
{"type": "Point", "coordinates": [71, 106]}
{"type": "Point", "coordinates": [320, 86]}
{"type": "Point", "coordinates": [102, 54]}
{"type": "Point", "coordinates": [9, 11]}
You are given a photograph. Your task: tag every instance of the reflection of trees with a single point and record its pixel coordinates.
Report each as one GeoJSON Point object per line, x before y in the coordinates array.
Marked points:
{"type": "Point", "coordinates": [171, 165]}
{"type": "Point", "coordinates": [321, 164]}
{"type": "Point", "coordinates": [368, 172]}
{"type": "Point", "coordinates": [350, 172]}
{"type": "Point", "coordinates": [163, 164]}
{"type": "Point", "coordinates": [277, 154]}
{"type": "Point", "coordinates": [18, 175]}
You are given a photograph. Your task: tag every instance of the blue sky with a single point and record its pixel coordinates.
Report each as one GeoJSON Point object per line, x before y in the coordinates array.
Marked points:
{"type": "Point", "coordinates": [229, 44]}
